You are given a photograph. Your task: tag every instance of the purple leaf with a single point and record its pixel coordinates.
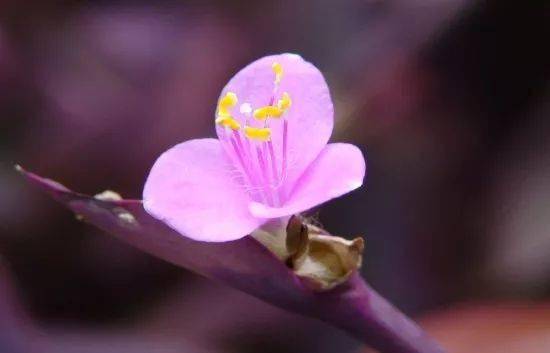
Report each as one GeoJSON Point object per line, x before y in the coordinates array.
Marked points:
{"type": "Point", "coordinates": [247, 265]}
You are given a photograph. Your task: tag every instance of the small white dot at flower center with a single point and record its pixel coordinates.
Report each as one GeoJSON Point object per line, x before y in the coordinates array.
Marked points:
{"type": "Point", "coordinates": [245, 108]}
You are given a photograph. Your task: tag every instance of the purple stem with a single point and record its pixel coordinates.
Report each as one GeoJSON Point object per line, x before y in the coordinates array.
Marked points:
{"type": "Point", "coordinates": [359, 310]}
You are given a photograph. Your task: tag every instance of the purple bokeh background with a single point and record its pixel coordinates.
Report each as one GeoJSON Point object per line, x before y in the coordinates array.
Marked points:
{"type": "Point", "coordinates": [448, 100]}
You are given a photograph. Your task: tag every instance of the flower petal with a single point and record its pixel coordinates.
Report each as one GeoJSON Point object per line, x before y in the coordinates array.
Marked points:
{"type": "Point", "coordinates": [310, 117]}
{"type": "Point", "coordinates": [191, 188]}
{"type": "Point", "coordinates": [339, 169]}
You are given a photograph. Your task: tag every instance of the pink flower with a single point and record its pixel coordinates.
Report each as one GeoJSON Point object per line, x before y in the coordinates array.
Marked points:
{"type": "Point", "coordinates": [271, 159]}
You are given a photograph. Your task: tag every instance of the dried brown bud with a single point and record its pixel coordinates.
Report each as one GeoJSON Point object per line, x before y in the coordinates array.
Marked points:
{"type": "Point", "coordinates": [322, 260]}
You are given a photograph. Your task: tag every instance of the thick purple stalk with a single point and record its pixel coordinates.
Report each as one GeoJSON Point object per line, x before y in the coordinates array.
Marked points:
{"type": "Point", "coordinates": [247, 265]}
{"type": "Point", "coordinates": [359, 310]}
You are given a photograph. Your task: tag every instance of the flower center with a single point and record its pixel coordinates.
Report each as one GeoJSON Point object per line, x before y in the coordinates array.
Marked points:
{"type": "Point", "coordinates": [262, 166]}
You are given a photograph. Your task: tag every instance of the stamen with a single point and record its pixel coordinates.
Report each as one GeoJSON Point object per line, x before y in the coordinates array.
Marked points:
{"type": "Point", "coordinates": [241, 161]}
{"type": "Point", "coordinates": [285, 102]}
{"type": "Point", "coordinates": [278, 70]}
{"type": "Point", "coordinates": [258, 134]}
{"type": "Point", "coordinates": [228, 121]}
{"type": "Point", "coordinates": [268, 111]}
{"type": "Point", "coordinates": [242, 151]}
{"type": "Point", "coordinates": [273, 161]}
{"type": "Point", "coordinates": [276, 182]}
{"type": "Point", "coordinates": [226, 102]}
{"type": "Point", "coordinates": [284, 167]}
{"type": "Point", "coordinates": [224, 116]}
{"type": "Point", "coordinates": [245, 160]}
{"type": "Point", "coordinates": [239, 157]}
{"type": "Point", "coordinates": [263, 179]}
{"type": "Point", "coordinates": [263, 169]}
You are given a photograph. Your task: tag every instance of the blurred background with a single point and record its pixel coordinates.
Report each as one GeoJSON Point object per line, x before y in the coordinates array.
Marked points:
{"type": "Point", "coordinates": [449, 100]}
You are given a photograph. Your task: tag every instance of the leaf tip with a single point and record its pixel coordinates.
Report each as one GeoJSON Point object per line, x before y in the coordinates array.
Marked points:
{"type": "Point", "coordinates": [18, 168]}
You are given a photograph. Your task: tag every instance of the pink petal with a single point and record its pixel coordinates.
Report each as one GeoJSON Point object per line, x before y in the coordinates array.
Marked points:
{"type": "Point", "coordinates": [192, 188]}
{"type": "Point", "coordinates": [339, 169]}
{"type": "Point", "coordinates": [310, 118]}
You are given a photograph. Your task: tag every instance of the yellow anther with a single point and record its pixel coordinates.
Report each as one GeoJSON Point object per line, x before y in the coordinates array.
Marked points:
{"type": "Point", "coordinates": [259, 134]}
{"type": "Point", "coordinates": [229, 100]}
{"type": "Point", "coordinates": [269, 111]}
{"type": "Point", "coordinates": [278, 70]}
{"type": "Point", "coordinates": [225, 105]}
{"type": "Point", "coordinates": [228, 121]}
{"type": "Point", "coordinates": [285, 102]}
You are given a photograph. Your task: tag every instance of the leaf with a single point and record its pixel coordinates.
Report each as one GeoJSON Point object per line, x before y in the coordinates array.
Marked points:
{"type": "Point", "coordinates": [247, 265]}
